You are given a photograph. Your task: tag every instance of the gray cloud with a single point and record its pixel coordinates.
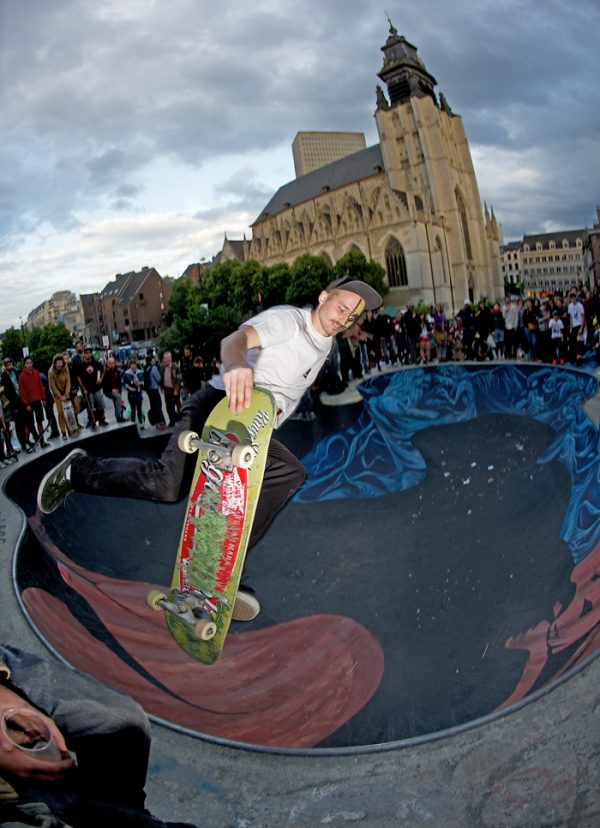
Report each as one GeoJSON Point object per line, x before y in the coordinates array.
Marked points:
{"type": "Point", "coordinates": [94, 93]}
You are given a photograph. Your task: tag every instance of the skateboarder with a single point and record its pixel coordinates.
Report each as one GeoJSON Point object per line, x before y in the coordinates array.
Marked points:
{"type": "Point", "coordinates": [281, 349]}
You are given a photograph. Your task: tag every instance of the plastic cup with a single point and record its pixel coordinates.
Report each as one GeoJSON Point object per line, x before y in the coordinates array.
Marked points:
{"type": "Point", "coordinates": [29, 731]}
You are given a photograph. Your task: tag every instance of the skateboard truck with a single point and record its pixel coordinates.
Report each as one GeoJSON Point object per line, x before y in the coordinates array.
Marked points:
{"type": "Point", "coordinates": [226, 454]}
{"type": "Point", "coordinates": [192, 607]}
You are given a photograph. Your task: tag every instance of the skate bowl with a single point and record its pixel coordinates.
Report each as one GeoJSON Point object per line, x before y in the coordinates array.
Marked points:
{"type": "Point", "coordinates": [439, 569]}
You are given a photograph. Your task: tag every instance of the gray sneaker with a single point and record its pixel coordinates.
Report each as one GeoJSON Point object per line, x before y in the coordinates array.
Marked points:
{"type": "Point", "coordinates": [55, 486]}
{"type": "Point", "coordinates": [246, 607]}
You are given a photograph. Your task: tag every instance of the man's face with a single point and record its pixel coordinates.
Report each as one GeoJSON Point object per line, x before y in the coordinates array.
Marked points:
{"type": "Point", "coordinates": [79, 347]}
{"type": "Point", "coordinates": [28, 366]}
{"type": "Point", "coordinates": [337, 311]}
{"type": "Point", "coordinates": [87, 356]}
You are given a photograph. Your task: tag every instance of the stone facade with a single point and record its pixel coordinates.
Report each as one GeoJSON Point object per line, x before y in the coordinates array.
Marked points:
{"type": "Point", "coordinates": [410, 203]}
{"type": "Point", "coordinates": [63, 306]}
{"type": "Point", "coordinates": [312, 150]}
{"type": "Point", "coordinates": [132, 308]}
{"type": "Point", "coordinates": [552, 262]}
{"type": "Point", "coordinates": [591, 254]}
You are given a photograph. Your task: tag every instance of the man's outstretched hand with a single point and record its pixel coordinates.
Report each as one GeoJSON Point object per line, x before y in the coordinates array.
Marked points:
{"type": "Point", "coordinates": [238, 388]}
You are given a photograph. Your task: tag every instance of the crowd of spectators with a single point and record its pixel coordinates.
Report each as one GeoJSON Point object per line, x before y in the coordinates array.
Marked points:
{"type": "Point", "coordinates": [36, 407]}
{"type": "Point", "coordinates": [556, 329]}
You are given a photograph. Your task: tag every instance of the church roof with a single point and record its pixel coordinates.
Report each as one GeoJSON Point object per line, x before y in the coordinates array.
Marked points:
{"type": "Point", "coordinates": [332, 176]}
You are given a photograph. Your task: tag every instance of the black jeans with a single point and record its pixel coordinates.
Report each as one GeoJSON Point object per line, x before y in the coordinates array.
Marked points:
{"type": "Point", "coordinates": [165, 478]}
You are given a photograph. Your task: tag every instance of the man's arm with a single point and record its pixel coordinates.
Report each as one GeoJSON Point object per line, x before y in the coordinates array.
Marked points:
{"type": "Point", "coordinates": [237, 376]}
{"type": "Point", "coordinates": [19, 762]}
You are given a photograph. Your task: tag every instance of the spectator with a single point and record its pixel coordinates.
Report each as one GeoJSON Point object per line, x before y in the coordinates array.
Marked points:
{"type": "Point", "coordinates": [33, 396]}
{"type": "Point", "coordinates": [511, 328]}
{"type": "Point", "coordinates": [440, 332]}
{"type": "Point", "coordinates": [106, 730]}
{"type": "Point", "coordinates": [89, 376]}
{"type": "Point", "coordinates": [59, 384]}
{"type": "Point", "coordinates": [498, 330]}
{"type": "Point", "coordinates": [576, 319]}
{"type": "Point", "coordinates": [133, 379]}
{"type": "Point", "coordinates": [384, 330]}
{"type": "Point", "coordinates": [531, 328]}
{"type": "Point", "coordinates": [483, 321]}
{"type": "Point", "coordinates": [424, 338]}
{"type": "Point", "coordinates": [112, 387]}
{"type": "Point", "coordinates": [196, 376]}
{"type": "Point", "coordinates": [170, 381]}
{"type": "Point", "coordinates": [14, 410]}
{"type": "Point", "coordinates": [7, 453]}
{"type": "Point", "coordinates": [187, 362]}
{"type": "Point", "coordinates": [467, 326]}
{"type": "Point", "coordinates": [49, 407]}
{"type": "Point", "coordinates": [152, 389]}
{"type": "Point", "coordinates": [556, 338]}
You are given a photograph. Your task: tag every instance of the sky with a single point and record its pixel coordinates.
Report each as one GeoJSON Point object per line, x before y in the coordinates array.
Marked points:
{"type": "Point", "coordinates": [138, 132]}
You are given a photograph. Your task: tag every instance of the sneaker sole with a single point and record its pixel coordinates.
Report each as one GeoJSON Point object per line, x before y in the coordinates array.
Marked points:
{"type": "Point", "coordinates": [75, 453]}
{"type": "Point", "coordinates": [245, 608]}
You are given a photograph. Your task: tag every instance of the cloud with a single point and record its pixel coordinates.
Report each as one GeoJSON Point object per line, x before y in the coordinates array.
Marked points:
{"type": "Point", "coordinates": [121, 110]}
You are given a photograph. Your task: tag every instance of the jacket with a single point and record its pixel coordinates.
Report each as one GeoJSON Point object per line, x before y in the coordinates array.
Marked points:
{"type": "Point", "coordinates": [31, 388]}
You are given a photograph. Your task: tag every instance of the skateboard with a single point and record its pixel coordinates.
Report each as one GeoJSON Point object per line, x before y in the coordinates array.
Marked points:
{"type": "Point", "coordinates": [38, 440]}
{"type": "Point", "coordinates": [232, 453]}
{"type": "Point", "coordinates": [91, 416]}
{"type": "Point", "coordinates": [70, 419]}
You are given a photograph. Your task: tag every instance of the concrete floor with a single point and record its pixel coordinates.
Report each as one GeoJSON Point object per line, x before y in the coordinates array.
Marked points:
{"type": "Point", "coordinates": [534, 766]}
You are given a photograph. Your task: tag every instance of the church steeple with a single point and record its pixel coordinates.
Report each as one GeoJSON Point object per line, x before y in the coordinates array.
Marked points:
{"type": "Point", "coordinates": [403, 71]}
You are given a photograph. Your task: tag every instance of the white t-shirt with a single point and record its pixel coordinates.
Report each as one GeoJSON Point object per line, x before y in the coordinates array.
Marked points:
{"type": "Point", "coordinates": [576, 312]}
{"type": "Point", "coordinates": [556, 326]}
{"type": "Point", "coordinates": [291, 355]}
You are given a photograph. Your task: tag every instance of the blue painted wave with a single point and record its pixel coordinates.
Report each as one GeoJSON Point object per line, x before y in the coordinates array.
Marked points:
{"type": "Point", "coordinates": [377, 456]}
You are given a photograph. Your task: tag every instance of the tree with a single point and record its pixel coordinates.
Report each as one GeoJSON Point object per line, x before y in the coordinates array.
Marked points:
{"type": "Point", "coordinates": [309, 275]}
{"type": "Point", "coordinates": [46, 342]}
{"type": "Point", "coordinates": [355, 264]}
{"type": "Point", "coordinates": [12, 344]}
{"type": "Point", "coordinates": [275, 284]}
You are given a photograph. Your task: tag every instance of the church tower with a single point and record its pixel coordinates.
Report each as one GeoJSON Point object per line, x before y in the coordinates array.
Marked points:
{"type": "Point", "coordinates": [410, 203]}
{"type": "Point", "coordinates": [450, 246]}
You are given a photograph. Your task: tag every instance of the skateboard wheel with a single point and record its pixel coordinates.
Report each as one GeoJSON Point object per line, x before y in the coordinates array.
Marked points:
{"type": "Point", "coordinates": [185, 441]}
{"type": "Point", "coordinates": [205, 630]}
{"type": "Point", "coordinates": [153, 597]}
{"type": "Point", "coordinates": [243, 456]}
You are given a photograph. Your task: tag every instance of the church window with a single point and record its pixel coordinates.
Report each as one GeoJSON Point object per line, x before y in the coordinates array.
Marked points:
{"type": "Point", "coordinates": [465, 226]}
{"type": "Point", "coordinates": [395, 264]}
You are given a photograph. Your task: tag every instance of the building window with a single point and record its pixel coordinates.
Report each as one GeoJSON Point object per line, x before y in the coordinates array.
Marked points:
{"type": "Point", "coordinates": [395, 264]}
{"type": "Point", "coordinates": [465, 226]}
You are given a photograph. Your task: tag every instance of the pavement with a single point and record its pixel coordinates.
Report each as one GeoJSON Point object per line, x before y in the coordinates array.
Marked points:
{"type": "Point", "coordinates": [534, 764]}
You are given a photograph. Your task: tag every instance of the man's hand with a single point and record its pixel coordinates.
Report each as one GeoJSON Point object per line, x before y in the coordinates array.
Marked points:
{"type": "Point", "coordinates": [23, 764]}
{"type": "Point", "coordinates": [238, 388]}
{"type": "Point", "coordinates": [237, 376]}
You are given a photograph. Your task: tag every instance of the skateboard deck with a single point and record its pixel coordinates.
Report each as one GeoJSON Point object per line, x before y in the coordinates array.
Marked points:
{"type": "Point", "coordinates": [70, 420]}
{"type": "Point", "coordinates": [232, 453]}
{"type": "Point", "coordinates": [41, 435]}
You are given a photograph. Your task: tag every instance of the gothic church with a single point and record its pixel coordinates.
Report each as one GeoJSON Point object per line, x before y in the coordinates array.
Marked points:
{"type": "Point", "coordinates": [410, 203]}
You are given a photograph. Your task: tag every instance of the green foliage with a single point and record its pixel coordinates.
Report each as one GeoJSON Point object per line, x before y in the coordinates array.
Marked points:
{"type": "Point", "coordinates": [231, 291]}
{"type": "Point", "coordinates": [355, 264]}
{"type": "Point", "coordinates": [309, 275]}
{"type": "Point", "coordinates": [12, 344]}
{"type": "Point", "coordinates": [43, 343]}
{"type": "Point", "coordinates": [46, 342]}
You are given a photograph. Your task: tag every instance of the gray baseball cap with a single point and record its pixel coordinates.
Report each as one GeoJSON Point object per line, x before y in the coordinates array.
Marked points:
{"type": "Point", "coordinates": [371, 297]}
